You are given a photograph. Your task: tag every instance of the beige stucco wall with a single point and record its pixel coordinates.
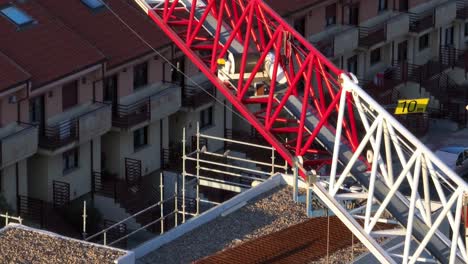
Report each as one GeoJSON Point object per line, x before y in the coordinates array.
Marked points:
{"type": "Point", "coordinates": [119, 145]}
{"type": "Point", "coordinates": [46, 169]}
{"type": "Point", "coordinates": [8, 183]}
{"type": "Point", "coordinates": [9, 111]}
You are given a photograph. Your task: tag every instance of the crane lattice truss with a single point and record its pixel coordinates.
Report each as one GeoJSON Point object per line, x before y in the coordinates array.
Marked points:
{"type": "Point", "coordinates": [328, 120]}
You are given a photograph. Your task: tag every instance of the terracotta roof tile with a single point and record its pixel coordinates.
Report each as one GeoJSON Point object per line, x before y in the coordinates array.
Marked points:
{"type": "Point", "coordinates": [47, 49]}
{"type": "Point", "coordinates": [288, 7]}
{"type": "Point", "coordinates": [10, 74]}
{"type": "Point", "coordinates": [106, 32]}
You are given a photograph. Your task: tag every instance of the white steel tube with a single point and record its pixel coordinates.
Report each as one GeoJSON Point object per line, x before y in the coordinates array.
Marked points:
{"type": "Point", "coordinates": [456, 230]}
{"type": "Point", "coordinates": [184, 158]}
{"type": "Point", "coordinates": [409, 225]}
{"type": "Point", "coordinates": [161, 191]}
{"type": "Point", "coordinates": [243, 160]}
{"type": "Point", "coordinates": [355, 156]}
{"type": "Point", "coordinates": [437, 222]}
{"type": "Point", "coordinates": [336, 146]}
{"type": "Point", "coordinates": [388, 155]}
{"type": "Point", "coordinates": [373, 174]}
{"type": "Point", "coordinates": [229, 166]}
{"type": "Point", "coordinates": [235, 141]}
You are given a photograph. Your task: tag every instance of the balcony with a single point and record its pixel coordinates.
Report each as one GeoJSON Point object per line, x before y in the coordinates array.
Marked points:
{"type": "Point", "coordinates": [17, 141]}
{"type": "Point", "coordinates": [336, 40]}
{"type": "Point", "coordinates": [385, 27]}
{"type": "Point", "coordinates": [198, 92]}
{"type": "Point", "coordinates": [462, 9]}
{"type": "Point", "coordinates": [74, 126]}
{"type": "Point", "coordinates": [453, 57]}
{"type": "Point", "coordinates": [147, 104]}
{"type": "Point", "coordinates": [431, 15]}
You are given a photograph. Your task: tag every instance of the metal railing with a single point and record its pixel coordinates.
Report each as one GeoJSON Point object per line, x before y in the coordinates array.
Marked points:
{"type": "Point", "coordinates": [126, 116]}
{"type": "Point", "coordinates": [421, 21]}
{"type": "Point", "coordinates": [462, 9]}
{"type": "Point", "coordinates": [31, 209]}
{"type": "Point", "coordinates": [193, 96]}
{"type": "Point", "coordinates": [103, 185]}
{"type": "Point", "coordinates": [161, 219]}
{"type": "Point", "coordinates": [60, 193]}
{"type": "Point", "coordinates": [326, 47]}
{"type": "Point", "coordinates": [132, 171]}
{"type": "Point", "coordinates": [65, 132]}
{"type": "Point", "coordinates": [453, 57]}
{"type": "Point", "coordinates": [369, 36]}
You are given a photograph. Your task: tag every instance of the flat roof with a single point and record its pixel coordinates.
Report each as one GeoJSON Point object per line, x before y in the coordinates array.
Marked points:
{"type": "Point", "coordinates": [269, 212]}
{"type": "Point", "coordinates": [21, 244]}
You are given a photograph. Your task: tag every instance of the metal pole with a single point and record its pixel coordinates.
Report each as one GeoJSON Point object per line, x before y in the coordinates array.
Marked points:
{"type": "Point", "coordinates": [84, 219]}
{"type": "Point", "coordinates": [175, 200]}
{"type": "Point", "coordinates": [465, 218]}
{"type": "Point", "coordinates": [183, 175]}
{"type": "Point", "coordinates": [272, 161]}
{"type": "Point", "coordinates": [198, 169]}
{"type": "Point", "coordinates": [6, 218]}
{"type": "Point", "coordinates": [105, 238]}
{"type": "Point", "coordinates": [295, 179]}
{"type": "Point", "coordinates": [161, 191]}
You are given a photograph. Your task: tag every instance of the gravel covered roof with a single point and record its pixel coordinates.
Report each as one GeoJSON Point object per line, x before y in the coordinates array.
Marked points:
{"type": "Point", "coordinates": [20, 244]}
{"type": "Point", "coordinates": [268, 213]}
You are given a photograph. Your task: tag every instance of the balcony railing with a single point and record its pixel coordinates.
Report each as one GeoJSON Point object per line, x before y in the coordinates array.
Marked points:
{"type": "Point", "coordinates": [421, 21]}
{"type": "Point", "coordinates": [336, 40]}
{"type": "Point", "coordinates": [453, 57]}
{"type": "Point", "coordinates": [194, 96]}
{"type": "Point", "coordinates": [80, 124]}
{"type": "Point", "coordinates": [125, 116]}
{"type": "Point", "coordinates": [150, 103]}
{"type": "Point", "coordinates": [369, 36]}
{"type": "Point", "coordinates": [393, 26]}
{"type": "Point", "coordinates": [17, 141]}
{"type": "Point", "coordinates": [462, 9]}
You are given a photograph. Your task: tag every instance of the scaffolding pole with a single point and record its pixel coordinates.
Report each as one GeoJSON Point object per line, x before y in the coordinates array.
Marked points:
{"type": "Point", "coordinates": [183, 175]}
{"type": "Point", "coordinates": [198, 170]}
{"type": "Point", "coordinates": [176, 208]}
{"type": "Point", "coordinates": [161, 191]}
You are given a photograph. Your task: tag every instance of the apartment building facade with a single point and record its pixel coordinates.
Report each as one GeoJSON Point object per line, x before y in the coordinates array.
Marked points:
{"type": "Point", "coordinates": [91, 96]}
{"type": "Point", "coordinates": [391, 44]}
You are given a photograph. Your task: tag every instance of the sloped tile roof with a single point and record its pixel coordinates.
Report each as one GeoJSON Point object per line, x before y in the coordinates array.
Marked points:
{"type": "Point", "coordinates": [47, 49]}
{"type": "Point", "coordinates": [106, 32]}
{"type": "Point", "coordinates": [11, 74]}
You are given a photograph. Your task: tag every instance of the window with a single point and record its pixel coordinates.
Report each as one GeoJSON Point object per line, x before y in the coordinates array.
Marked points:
{"type": "Point", "coordinates": [375, 56]}
{"type": "Point", "coordinates": [69, 95]}
{"type": "Point", "coordinates": [404, 5]}
{"type": "Point", "coordinates": [177, 74]}
{"type": "Point", "coordinates": [466, 29]}
{"type": "Point", "coordinates": [330, 14]}
{"type": "Point", "coordinates": [110, 88]}
{"type": "Point", "coordinates": [36, 110]}
{"type": "Point", "coordinates": [299, 25]}
{"type": "Point", "coordinates": [424, 42]}
{"type": "Point", "coordinates": [93, 4]}
{"type": "Point", "coordinates": [353, 64]}
{"type": "Point", "coordinates": [140, 138]}
{"type": "Point", "coordinates": [354, 14]}
{"type": "Point", "coordinates": [16, 16]}
{"type": "Point", "coordinates": [382, 5]}
{"type": "Point", "coordinates": [206, 117]}
{"type": "Point", "coordinates": [140, 75]}
{"type": "Point", "coordinates": [449, 36]}
{"type": "Point", "coordinates": [70, 160]}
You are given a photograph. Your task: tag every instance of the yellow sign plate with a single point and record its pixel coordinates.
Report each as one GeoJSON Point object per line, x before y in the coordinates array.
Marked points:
{"type": "Point", "coordinates": [411, 106]}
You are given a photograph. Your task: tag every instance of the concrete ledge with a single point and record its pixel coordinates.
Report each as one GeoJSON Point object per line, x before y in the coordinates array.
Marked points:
{"type": "Point", "coordinates": [209, 215]}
